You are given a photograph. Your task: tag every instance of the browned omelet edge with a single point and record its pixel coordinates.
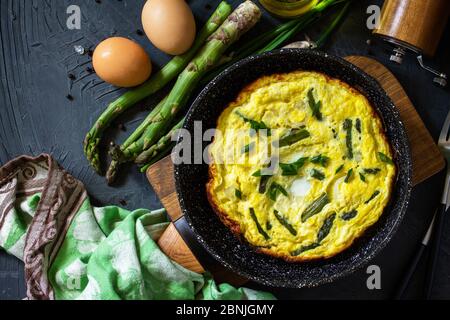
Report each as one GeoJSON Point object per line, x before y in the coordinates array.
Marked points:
{"type": "Point", "coordinates": [234, 226]}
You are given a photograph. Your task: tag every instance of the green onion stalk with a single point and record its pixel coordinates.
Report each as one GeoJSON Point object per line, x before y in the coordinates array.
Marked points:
{"type": "Point", "coordinates": [155, 83]}
{"type": "Point", "coordinates": [327, 32]}
{"type": "Point", "coordinates": [276, 37]}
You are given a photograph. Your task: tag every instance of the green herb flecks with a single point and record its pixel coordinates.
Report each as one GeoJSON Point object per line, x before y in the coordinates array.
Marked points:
{"type": "Point", "coordinates": [314, 105]}
{"type": "Point", "coordinates": [373, 196]}
{"type": "Point", "coordinates": [349, 215]}
{"type": "Point", "coordinates": [371, 170]}
{"type": "Point", "coordinates": [315, 207]}
{"type": "Point", "coordinates": [238, 193]}
{"type": "Point", "coordinates": [291, 169]}
{"type": "Point", "coordinates": [255, 125]}
{"type": "Point", "coordinates": [265, 175]}
{"type": "Point", "coordinates": [358, 125]}
{"type": "Point", "coordinates": [349, 176]}
{"type": "Point", "coordinates": [294, 136]}
{"type": "Point", "coordinates": [258, 226]}
{"type": "Point", "coordinates": [303, 249]}
{"type": "Point", "coordinates": [316, 174]}
{"type": "Point", "coordinates": [274, 189]}
{"type": "Point", "coordinates": [320, 159]}
{"type": "Point", "coordinates": [268, 225]}
{"type": "Point", "coordinates": [348, 126]}
{"type": "Point", "coordinates": [385, 158]}
{"type": "Point", "coordinates": [285, 223]}
{"type": "Point", "coordinates": [339, 169]}
{"type": "Point", "coordinates": [326, 227]}
{"type": "Point", "coordinates": [249, 147]}
{"type": "Point", "coordinates": [362, 177]}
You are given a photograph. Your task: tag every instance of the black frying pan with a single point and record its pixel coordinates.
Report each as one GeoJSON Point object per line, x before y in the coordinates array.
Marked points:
{"type": "Point", "coordinates": [239, 256]}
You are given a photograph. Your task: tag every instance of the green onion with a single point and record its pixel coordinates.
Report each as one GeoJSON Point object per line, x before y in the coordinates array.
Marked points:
{"type": "Point", "coordinates": [348, 125]}
{"type": "Point", "coordinates": [326, 227]}
{"type": "Point", "coordinates": [248, 147]}
{"type": "Point", "coordinates": [320, 159]}
{"type": "Point", "coordinates": [285, 223]}
{"type": "Point", "coordinates": [238, 194]}
{"type": "Point", "coordinates": [339, 169]}
{"type": "Point", "coordinates": [358, 125]}
{"type": "Point", "coordinates": [265, 175]}
{"type": "Point", "coordinates": [304, 249]}
{"type": "Point", "coordinates": [349, 215]}
{"type": "Point", "coordinates": [291, 169]}
{"type": "Point", "coordinates": [362, 177]}
{"type": "Point", "coordinates": [316, 174]}
{"type": "Point", "coordinates": [315, 207]}
{"type": "Point", "coordinates": [349, 176]}
{"type": "Point", "coordinates": [274, 189]}
{"type": "Point", "coordinates": [321, 235]}
{"type": "Point", "coordinates": [332, 26]}
{"type": "Point", "coordinates": [373, 196]}
{"type": "Point", "coordinates": [307, 19]}
{"type": "Point", "coordinates": [263, 184]}
{"type": "Point", "coordinates": [258, 226]}
{"type": "Point", "coordinates": [294, 136]}
{"type": "Point", "coordinates": [315, 106]}
{"type": "Point", "coordinates": [385, 158]}
{"type": "Point", "coordinates": [255, 125]}
{"type": "Point", "coordinates": [372, 170]}
{"type": "Point", "coordinates": [262, 173]}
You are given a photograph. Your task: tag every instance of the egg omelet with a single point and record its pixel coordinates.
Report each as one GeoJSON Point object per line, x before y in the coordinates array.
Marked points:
{"type": "Point", "coordinates": [300, 166]}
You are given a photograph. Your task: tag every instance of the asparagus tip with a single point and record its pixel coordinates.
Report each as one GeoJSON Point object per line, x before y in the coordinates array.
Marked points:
{"type": "Point", "coordinates": [111, 174]}
{"type": "Point", "coordinates": [117, 154]}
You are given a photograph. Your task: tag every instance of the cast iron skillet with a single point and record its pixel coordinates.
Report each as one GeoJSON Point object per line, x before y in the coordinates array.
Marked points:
{"type": "Point", "coordinates": [240, 257]}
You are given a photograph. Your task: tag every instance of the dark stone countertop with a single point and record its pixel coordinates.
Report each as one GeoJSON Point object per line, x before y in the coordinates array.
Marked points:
{"type": "Point", "coordinates": [36, 55]}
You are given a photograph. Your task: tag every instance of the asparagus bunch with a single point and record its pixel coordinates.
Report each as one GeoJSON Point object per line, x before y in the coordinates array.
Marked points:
{"type": "Point", "coordinates": [155, 83]}
{"type": "Point", "coordinates": [265, 42]}
{"type": "Point", "coordinates": [276, 37]}
{"type": "Point", "coordinates": [151, 142]}
{"type": "Point", "coordinates": [158, 147]}
{"type": "Point", "coordinates": [239, 22]}
{"type": "Point", "coordinates": [117, 150]}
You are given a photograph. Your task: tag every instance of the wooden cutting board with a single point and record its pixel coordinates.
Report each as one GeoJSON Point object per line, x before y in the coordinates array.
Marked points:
{"type": "Point", "coordinates": [427, 161]}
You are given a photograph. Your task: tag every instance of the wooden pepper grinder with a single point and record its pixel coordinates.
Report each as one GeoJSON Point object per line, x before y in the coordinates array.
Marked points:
{"type": "Point", "coordinates": [414, 26]}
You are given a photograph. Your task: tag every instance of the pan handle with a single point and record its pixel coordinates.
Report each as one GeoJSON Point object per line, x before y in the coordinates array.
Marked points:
{"type": "Point", "coordinates": [173, 245]}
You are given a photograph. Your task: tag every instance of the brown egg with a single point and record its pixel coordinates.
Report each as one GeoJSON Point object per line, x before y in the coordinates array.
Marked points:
{"type": "Point", "coordinates": [121, 62]}
{"type": "Point", "coordinates": [170, 25]}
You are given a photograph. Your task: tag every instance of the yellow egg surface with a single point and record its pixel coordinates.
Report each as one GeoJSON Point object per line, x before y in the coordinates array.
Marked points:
{"type": "Point", "coordinates": [300, 166]}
